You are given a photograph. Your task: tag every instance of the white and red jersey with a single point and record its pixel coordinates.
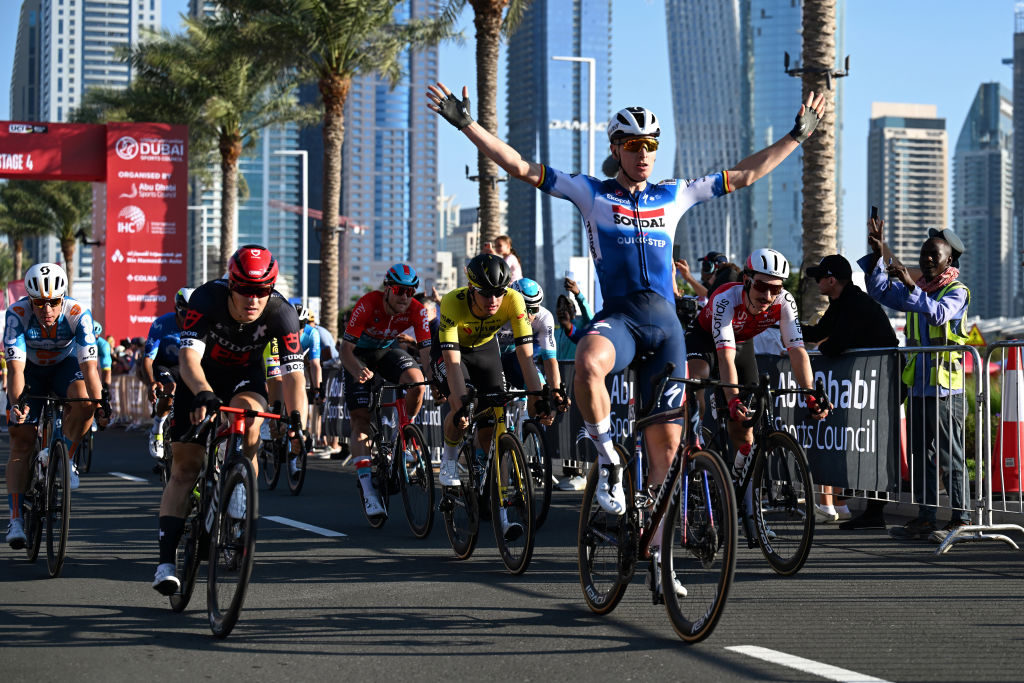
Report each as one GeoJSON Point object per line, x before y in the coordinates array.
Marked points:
{"type": "Point", "coordinates": [371, 327]}
{"type": "Point", "coordinates": [727, 319]}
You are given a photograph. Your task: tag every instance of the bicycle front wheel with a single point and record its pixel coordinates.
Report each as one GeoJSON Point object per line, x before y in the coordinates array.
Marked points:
{"type": "Point", "coordinates": [538, 461]}
{"type": "Point", "coordinates": [35, 513]}
{"type": "Point", "coordinates": [232, 545]}
{"type": "Point", "coordinates": [512, 504]}
{"type": "Point", "coordinates": [783, 496]}
{"type": "Point", "coordinates": [460, 507]}
{"type": "Point", "coordinates": [698, 554]}
{"type": "Point", "coordinates": [83, 454]}
{"type": "Point", "coordinates": [417, 482]}
{"type": "Point", "coordinates": [604, 541]}
{"type": "Point", "coordinates": [58, 506]}
{"type": "Point", "coordinates": [187, 558]}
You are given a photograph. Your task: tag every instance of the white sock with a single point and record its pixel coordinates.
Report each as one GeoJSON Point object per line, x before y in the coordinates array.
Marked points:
{"type": "Point", "coordinates": [828, 508]}
{"type": "Point", "coordinates": [449, 452]}
{"type": "Point", "coordinates": [601, 435]}
{"type": "Point", "coordinates": [843, 509]}
{"type": "Point", "coordinates": [158, 424]}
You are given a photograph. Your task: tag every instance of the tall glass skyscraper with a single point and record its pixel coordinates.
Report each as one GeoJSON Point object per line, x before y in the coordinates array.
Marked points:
{"type": "Point", "coordinates": [731, 97]}
{"type": "Point", "coordinates": [547, 109]}
{"type": "Point", "coordinates": [983, 202]}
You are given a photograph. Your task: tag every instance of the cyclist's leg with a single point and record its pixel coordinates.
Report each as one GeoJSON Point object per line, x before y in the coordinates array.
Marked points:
{"type": "Point", "coordinates": [168, 378]}
{"type": "Point", "coordinates": [68, 382]}
{"type": "Point", "coordinates": [23, 441]}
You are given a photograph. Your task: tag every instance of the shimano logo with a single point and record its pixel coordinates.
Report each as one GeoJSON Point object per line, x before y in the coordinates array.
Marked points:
{"type": "Point", "coordinates": [646, 239]}
{"type": "Point", "coordinates": [658, 222]}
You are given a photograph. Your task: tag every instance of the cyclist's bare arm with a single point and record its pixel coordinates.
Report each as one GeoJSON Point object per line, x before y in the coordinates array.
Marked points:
{"type": "Point", "coordinates": [355, 367]}
{"type": "Point", "coordinates": [428, 372]}
{"type": "Point", "coordinates": [16, 386]}
{"type": "Point", "coordinates": [727, 372]}
{"type": "Point", "coordinates": [456, 382]}
{"type": "Point", "coordinates": [524, 353]}
{"type": "Point", "coordinates": [294, 385]}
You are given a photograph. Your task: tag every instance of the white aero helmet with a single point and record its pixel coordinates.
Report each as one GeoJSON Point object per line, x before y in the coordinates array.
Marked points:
{"type": "Point", "coordinates": [46, 281]}
{"type": "Point", "coordinates": [768, 262]}
{"type": "Point", "coordinates": [633, 122]}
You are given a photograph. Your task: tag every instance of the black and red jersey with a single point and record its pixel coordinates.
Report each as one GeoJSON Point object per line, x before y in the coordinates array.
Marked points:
{"type": "Point", "coordinates": [226, 343]}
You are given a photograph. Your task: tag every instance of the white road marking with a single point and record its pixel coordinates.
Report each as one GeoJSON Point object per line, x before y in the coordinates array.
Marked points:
{"type": "Point", "coordinates": [832, 673]}
{"type": "Point", "coordinates": [306, 527]}
{"type": "Point", "coordinates": [129, 477]}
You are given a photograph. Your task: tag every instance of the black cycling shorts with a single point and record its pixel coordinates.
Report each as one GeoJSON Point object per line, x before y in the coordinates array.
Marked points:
{"type": "Point", "coordinates": [389, 364]}
{"type": "Point", "coordinates": [481, 368]}
{"type": "Point", "coordinates": [700, 345]}
{"type": "Point", "coordinates": [226, 383]}
{"type": "Point", "coordinates": [167, 374]}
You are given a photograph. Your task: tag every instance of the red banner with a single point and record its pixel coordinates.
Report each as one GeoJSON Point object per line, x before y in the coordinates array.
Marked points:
{"type": "Point", "coordinates": [15, 290]}
{"type": "Point", "coordinates": [52, 151]}
{"type": "Point", "coordinates": [146, 242]}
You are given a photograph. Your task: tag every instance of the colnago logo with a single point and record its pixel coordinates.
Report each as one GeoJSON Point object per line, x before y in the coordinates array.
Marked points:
{"type": "Point", "coordinates": [131, 220]}
{"type": "Point", "coordinates": [651, 218]}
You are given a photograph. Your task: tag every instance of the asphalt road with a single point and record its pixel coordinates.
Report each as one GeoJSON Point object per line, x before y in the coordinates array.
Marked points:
{"type": "Point", "coordinates": [381, 605]}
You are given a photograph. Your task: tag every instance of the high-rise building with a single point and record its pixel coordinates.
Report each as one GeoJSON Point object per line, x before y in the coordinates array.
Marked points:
{"type": "Point", "coordinates": [547, 111]}
{"type": "Point", "coordinates": [1018, 156]}
{"type": "Point", "coordinates": [63, 48]}
{"type": "Point", "coordinates": [748, 105]}
{"type": "Point", "coordinates": [983, 202]}
{"type": "Point", "coordinates": [907, 175]}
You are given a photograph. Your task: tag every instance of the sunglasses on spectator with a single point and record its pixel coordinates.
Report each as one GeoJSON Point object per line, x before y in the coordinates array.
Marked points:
{"type": "Point", "coordinates": [252, 290]}
{"type": "Point", "coordinates": [495, 293]}
{"type": "Point", "coordinates": [635, 144]}
{"type": "Point", "coordinates": [399, 290]}
{"type": "Point", "coordinates": [766, 288]}
{"type": "Point", "coordinates": [52, 303]}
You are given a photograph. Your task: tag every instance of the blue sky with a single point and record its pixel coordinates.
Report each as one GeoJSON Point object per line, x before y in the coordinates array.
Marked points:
{"type": "Point", "coordinates": [926, 52]}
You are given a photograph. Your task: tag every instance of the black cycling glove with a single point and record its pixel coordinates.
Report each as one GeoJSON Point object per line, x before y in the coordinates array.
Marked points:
{"type": "Point", "coordinates": [208, 400]}
{"type": "Point", "coordinates": [805, 125]}
{"type": "Point", "coordinates": [455, 111]}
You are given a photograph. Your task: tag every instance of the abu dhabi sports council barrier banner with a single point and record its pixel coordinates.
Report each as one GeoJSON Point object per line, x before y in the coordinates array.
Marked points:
{"type": "Point", "coordinates": [857, 445]}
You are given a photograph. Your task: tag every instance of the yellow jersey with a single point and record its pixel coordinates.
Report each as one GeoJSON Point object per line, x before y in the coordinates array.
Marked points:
{"type": "Point", "coordinates": [458, 326]}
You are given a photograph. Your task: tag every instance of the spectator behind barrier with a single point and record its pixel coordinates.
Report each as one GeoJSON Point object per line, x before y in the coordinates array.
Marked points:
{"type": "Point", "coordinates": [936, 307]}
{"type": "Point", "coordinates": [570, 323]}
{"type": "Point", "coordinates": [852, 320]}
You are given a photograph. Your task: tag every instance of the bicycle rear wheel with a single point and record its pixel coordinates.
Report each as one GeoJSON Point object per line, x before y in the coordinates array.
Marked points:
{"type": "Point", "coordinates": [297, 462]}
{"type": "Point", "coordinates": [188, 558]}
{"type": "Point", "coordinates": [460, 508]}
{"type": "Point", "coordinates": [58, 507]}
{"type": "Point", "coordinates": [539, 463]}
{"type": "Point", "coordinates": [417, 482]}
{"type": "Point", "coordinates": [604, 541]}
{"type": "Point", "coordinates": [512, 504]}
{"type": "Point", "coordinates": [34, 514]}
{"type": "Point", "coordinates": [270, 463]}
{"type": "Point", "coordinates": [783, 496]}
{"type": "Point", "coordinates": [83, 454]}
{"type": "Point", "coordinates": [699, 546]}
{"type": "Point", "coordinates": [232, 544]}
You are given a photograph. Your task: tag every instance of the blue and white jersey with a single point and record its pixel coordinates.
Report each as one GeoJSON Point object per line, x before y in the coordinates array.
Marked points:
{"type": "Point", "coordinates": [25, 339]}
{"type": "Point", "coordinates": [310, 342]}
{"type": "Point", "coordinates": [164, 340]}
{"type": "Point", "coordinates": [630, 235]}
{"type": "Point", "coordinates": [105, 358]}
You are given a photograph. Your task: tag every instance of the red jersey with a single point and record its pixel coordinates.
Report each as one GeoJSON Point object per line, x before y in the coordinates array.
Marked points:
{"type": "Point", "coordinates": [370, 326]}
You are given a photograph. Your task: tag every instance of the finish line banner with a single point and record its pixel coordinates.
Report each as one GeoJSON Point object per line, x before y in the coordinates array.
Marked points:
{"type": "Point", "coordinates": [857, 445]}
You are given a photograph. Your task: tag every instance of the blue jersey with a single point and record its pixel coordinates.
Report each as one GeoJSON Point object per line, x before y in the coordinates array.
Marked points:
{"type": "Point", "coordinates": [164, 340]}
{"type": "Point", "coordinates": [26, 340]}
{"type": "Point", "coordinates": [630, 235]}
{"type": "Point", "coordinates": [106, 360]}
{"type": "Point", "coordinates": [310, 341]}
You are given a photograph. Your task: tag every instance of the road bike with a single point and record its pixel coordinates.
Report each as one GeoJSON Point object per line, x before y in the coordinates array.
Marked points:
{"type": "Point", "coordinates": [698, 545]}
{"type": "Point", "coordinates": [225, 537]}
{"type": "Point", "coordinates": [774, 489]}
{"type": "Point", "coordinates": [276, 455]}
{"type": "Point", "coordinates": [504, 473]}
{"type": "Point", "coordinates": [400, 461]}
{"type": "Point", "coordinates": [538, 460]}
{"type": "Point", "coordinates": [47, 501]}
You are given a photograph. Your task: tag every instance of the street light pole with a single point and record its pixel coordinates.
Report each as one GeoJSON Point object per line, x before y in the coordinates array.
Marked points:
{"type": "Point", "coordinates": [304, 269]}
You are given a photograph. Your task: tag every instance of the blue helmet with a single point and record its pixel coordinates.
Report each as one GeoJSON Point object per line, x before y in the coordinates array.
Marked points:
{"type": "Point", "coordinates": [402, 274]}
{"type": "Point", "coordinates": [97, 329]}
{"type": "Point", "coordinates": [533, 295]}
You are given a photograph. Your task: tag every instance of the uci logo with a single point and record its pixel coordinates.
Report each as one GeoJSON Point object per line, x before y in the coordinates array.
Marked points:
{"type": "Point", "coordinates": [127, 148]}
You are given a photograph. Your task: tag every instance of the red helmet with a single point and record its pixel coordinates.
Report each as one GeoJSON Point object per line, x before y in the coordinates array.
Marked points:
{"type": "Point", "coordinates": [252, 265]}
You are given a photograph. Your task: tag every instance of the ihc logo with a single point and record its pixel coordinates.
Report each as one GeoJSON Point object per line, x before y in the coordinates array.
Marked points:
{"type": "Point", "coordinates": [127, 148]}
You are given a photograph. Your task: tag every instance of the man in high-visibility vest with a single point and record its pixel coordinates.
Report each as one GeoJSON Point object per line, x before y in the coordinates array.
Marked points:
{"type": "Point", "coordinates": [936, 307]}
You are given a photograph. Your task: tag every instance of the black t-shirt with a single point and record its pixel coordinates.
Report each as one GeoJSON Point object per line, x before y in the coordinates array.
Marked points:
{"type": "Point", "coordinates": [226, 343]}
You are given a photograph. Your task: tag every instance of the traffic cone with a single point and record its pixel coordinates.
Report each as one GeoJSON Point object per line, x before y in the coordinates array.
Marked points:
{"type": "Point", "coordinates": [1010, 439]}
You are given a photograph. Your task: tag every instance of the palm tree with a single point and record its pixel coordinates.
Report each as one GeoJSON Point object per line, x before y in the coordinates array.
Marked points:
{"type": "Point", "coordinates": [331, 42]}
{"type": "Point", "coordinates": [819, 200]}
{"type": "Point", "coordinates": [490, 27]}
{"type": "Point", "coordinates": [22, 214]}
{"type": "Point", "coordinates": [206, 79]}
{"type": "Point", "coordinates": [60, 208]}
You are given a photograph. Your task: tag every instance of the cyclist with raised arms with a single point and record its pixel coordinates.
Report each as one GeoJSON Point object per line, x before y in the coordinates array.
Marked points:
{"type": "Point", "coordinates": [49, 347]}
{"type": "Point", "coordinates": [225, 330]}
{"type": "Point", "coordinates": [630, 224]}
{"type": "Point", "coordinates": [160, 366]}
{"type": "Point", "coordinates": [467, 353]}
{"type": "Point", "coordinates": [721, 340]}
{"type": "Point", "coordinates": [368, 349]}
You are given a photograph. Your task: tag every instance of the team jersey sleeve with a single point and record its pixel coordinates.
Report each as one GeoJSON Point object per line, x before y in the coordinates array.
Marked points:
{"type": "Point", "coordinates": [704, 189]}
{"type": "Point", "coordinates": [420, 324]}
{"type": "Point", "coordinates": [85, 339]}
{"type": "Point", "coordinates": [14, 335]}
{"type": "Point", "coordinates": [314, 342]}
{"type": "Point", "coordinates": [198, 319]}
{"type": "Point", "coordinates": [448, 330]}
{"type": "Point", "coordinates": [577, 188]}
{"type": "Point", "coordinates": [521, 329]}
{"type": "Point", "coordinates": [721, 320]}
{"type": "Point", "coordinates": [357, 320]}
{"type": "Point", "coordinates": [544, 335]}
{"type": "Point", "coordinates": [789, 323]}
{"type": "Point", "coordinates": [272, 359]}
{"type": "Point", "coordinates": [106, 361]}
{"type": "Point", "coordinates": [153, 340]}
